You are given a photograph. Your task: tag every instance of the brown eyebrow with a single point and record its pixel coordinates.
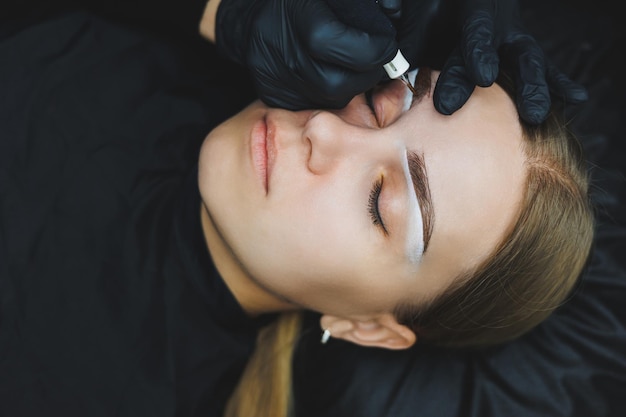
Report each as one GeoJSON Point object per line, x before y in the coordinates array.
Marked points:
{"type": "Point", "coordinates": [419, 177]}
{"type": "Point", "coordinates": [422, 84]}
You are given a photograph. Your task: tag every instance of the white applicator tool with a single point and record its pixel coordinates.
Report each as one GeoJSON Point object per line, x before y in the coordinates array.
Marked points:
{"type": "Point", "coordinates": [367, 16]}
{"type": "Point", "coordinates": [397, 69]}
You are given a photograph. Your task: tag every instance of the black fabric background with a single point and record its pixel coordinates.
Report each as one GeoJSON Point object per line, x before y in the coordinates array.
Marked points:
{"type": "Point", "coordinates": [573, 365]}
{"type": "Point", "coordinates": [109, 302]}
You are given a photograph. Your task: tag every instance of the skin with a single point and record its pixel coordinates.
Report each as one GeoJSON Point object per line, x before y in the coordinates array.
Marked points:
{"type": "Point", "coordinates": [207, 22]}
{"type": "Point", "coordinates": [308, 241]}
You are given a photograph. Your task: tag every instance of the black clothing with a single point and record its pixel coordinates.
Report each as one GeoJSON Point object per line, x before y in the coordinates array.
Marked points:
{"type": "Point", "coordinates": [162, 17]}
{"type": "Point", "coordinates": [109, 302]}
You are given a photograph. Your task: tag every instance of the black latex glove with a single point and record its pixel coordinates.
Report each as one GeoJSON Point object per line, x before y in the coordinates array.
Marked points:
{"type": "Point", "coordinates": [489, 31]}
{"type": "Point", "coordinates": [300, 54]}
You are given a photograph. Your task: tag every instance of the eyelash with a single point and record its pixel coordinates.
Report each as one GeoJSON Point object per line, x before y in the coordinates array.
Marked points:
{"type": "Point", "coordinates": [369, 101]}
{"type": "Point", "coordinates": [373, 204]}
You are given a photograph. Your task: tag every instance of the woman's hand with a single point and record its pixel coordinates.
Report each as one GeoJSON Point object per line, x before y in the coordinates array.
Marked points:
{"type": "Point", "coordinates": [299, 53]}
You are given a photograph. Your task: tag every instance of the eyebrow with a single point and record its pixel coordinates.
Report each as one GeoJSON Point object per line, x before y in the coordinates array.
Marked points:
{"type": "Point", "coordinates": [419, 178]}
{"type": "Point", "coordinates": [422, 84]}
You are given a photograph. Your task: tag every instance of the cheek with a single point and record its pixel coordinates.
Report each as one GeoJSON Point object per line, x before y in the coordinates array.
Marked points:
{"type": "Point", "coordinates": [307, 249]}
{"type": "Point", "coordinates": [315, 215]}
{"type": "Point", "coordinates": [214, 161]}
{"type": "Point", "coordinates": [323, 225]}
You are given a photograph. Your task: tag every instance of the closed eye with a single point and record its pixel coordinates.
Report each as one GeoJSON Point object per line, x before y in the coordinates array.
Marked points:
{"type": "Point", "coordinates": [369, 100]}
{"type": "Point", "coordinates": [372, 205]}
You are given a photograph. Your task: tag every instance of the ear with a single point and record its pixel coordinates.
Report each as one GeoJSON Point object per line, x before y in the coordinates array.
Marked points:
{"type": "Point", "coordinates": [382, 331]}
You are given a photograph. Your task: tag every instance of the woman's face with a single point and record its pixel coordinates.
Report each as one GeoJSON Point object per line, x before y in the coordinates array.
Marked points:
{"type": "Point", "coordinates": [321, 207]}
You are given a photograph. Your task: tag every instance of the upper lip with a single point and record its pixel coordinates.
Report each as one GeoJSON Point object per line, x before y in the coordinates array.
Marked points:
{"type": "Point", "coordinates": [263, 150]}
{"type": "Point", "coordinates": [258, 150]}
{"type": "Point", "coordinates": [270, 147]}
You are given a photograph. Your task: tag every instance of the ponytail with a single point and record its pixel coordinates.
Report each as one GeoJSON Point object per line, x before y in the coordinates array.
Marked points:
{"type": "Point", "coordinates": [265, 387]}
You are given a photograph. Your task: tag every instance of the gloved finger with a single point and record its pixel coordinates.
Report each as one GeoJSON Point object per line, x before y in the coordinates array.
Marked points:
{"type": "Point", "coordinates": [392, 8]}
{"type": "Point", "coordinates": [287, 99]}
{"type": "Point", "coordinates": [480, 49]}
{"type": "Point", "coordinates": [562, 86]}
{"type": "Point", "coordinates": [284, 93]}
{"type": "Point", "coordinates": [334, 86]}
{"type": "Point", "coordinates": [328, 39]}
{"type": "Point", "coordinates": [532, 92]}
{"type": "Point", "coordinates": [422, 23]}
{"type": "Point", "coordinates": [454, 86]}
{"type": "Point", "coordinates": [321, 86]}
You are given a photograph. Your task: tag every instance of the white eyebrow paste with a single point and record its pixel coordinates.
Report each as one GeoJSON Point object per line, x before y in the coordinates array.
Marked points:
{"type": "Point", "coordinates": [408, 97]}
{"type": "Point", "coordinates": [415, 223]}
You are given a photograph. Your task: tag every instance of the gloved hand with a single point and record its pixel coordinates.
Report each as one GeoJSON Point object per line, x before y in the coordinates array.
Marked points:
{"type": "Point", "coordinates": [300, 54]}
{"type": "Point", "coordinates": [489, 30]}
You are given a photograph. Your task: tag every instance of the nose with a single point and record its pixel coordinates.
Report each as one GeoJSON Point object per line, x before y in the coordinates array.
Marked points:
{"type": "Point", "coordinates": [332, 140]}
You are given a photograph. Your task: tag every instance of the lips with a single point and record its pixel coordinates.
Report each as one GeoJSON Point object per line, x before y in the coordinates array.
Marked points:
{"type": "Point", "coordinates": [263, 151]}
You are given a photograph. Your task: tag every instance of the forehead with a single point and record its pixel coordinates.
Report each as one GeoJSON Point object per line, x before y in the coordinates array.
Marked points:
{"type": "Point", "coordinates": [476, 169]}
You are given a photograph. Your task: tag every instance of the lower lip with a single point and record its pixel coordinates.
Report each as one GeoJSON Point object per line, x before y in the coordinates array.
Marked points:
{"type": "Point", "coordinates": [258, 147]}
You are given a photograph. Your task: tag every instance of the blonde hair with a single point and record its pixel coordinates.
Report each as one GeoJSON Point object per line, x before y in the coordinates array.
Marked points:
{"type": "Point", "coordinates": [529, 274]}
{"type": "Point", "coordinates": [264, 387]}
{"type": "Point", "coordinates": [537, 265]}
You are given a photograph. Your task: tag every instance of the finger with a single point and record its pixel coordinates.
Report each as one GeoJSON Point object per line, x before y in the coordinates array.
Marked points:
{"type": "Point", "coordinates": [341, 45]}
{"type": "Point", "coordinates": [392, 8]}
{"type": "Point", "coordinates": [328, 39]}
{"type": "Point", "coordinates": [532, 92]}
{"type": "Point", "coordinates": [365, 15]}
{"type": "Point", "coordinates": [562, 86]}
{"type": "Point", "coordinates": [293, 97]}
{"type": "Point", "coordinates": [480, 49]}
{"type": "Point", "coordinates": [286, 99]}
{"type": "Point", "coordinates": [335, 86]}
{"type": "Point", "coordinates": [454, 86]}
{"type": "Point", "coordinates": [320, 87]}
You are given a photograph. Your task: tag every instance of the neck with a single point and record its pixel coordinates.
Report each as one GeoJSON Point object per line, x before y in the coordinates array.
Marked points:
{"type": "Point", "coordinates": [253, 298]}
